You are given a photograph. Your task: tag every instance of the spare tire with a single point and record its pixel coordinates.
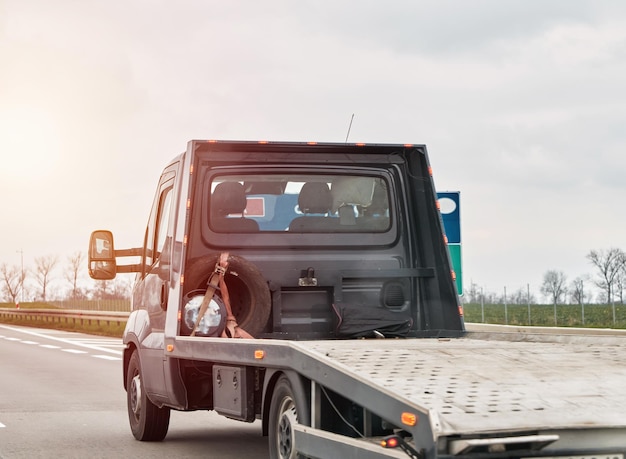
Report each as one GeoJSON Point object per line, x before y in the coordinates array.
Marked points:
{"type": "Point", "coordinates": [249, 293]}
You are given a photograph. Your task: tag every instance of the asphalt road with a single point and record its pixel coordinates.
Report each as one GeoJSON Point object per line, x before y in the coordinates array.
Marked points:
{"type": "Point", "coordinates": [61, 395]}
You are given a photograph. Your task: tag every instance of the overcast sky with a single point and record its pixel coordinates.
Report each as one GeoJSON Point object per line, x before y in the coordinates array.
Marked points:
{"type": "Point", "coordinates": [522, 105]}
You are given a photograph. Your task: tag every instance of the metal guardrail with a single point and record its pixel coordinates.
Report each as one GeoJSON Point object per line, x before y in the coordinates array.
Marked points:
{"type": "Point", "coordinates": [93, 305]}
{"type": "Point", "coordinates": [71, 316]}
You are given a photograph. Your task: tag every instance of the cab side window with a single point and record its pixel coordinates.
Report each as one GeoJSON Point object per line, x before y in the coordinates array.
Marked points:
{"type": "Point", "coordinates": [162, 222]}
{"type": "Point", "coordinates": [158, 224]}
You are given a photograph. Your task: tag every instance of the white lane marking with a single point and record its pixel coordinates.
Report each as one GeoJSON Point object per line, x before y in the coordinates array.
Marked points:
{"type": "Point", "coordinates": [30, 342]}
{"type": "Point", "coordinates": [94, 340]}
{"type": "Point", "coordinates": [65, 341]}
{"type": "Point", "coordinates": [74, 351]}
{"type": "Point", "coordinates": [108, 343]}
{"type": "Point", "coordinates": [12, 339]}
{"type": "Point", "coordinates": [107, 357]}
{"type": "Point", "coordinates": [2, 425]}
{"type": "Point", "coordinates": [50, 346]}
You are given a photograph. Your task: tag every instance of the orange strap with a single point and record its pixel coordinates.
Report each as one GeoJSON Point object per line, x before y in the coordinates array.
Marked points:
{"type": "Point", "coordinates": [232, 329]}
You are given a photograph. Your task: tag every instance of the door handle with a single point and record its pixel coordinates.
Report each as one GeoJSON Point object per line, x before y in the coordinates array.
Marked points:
{"type": "Point", "coordinates": [164, 296]}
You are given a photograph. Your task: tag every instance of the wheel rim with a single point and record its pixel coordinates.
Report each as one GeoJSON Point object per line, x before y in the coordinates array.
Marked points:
{"type": "Point", "coordinates": [135, 395]}
{"type": "Point", "coordinates": [285, 433]}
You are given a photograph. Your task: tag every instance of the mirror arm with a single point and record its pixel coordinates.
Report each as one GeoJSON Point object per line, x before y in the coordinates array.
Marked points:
{"type": "Point", "coordinates": [129, 252]}
{"type": "Point", "coordinates": [128, 268]}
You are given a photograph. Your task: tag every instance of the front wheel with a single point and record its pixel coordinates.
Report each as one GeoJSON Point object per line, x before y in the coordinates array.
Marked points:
{"type": "Point", "coordinates": [148, 422]}
{"type": "Point", "coordinates": [288, 406]}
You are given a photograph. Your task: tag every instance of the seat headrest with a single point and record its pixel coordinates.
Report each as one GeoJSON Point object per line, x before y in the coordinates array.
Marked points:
{"type": "Point", "coordinates": [228, 198]}
{"type": "Point", "coordinates": [315, 198]}
{"type": "Point", "coordinates": [352, 190]}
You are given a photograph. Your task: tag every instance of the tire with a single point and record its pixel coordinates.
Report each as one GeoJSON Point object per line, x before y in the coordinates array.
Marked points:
{"type": "Point", "coordinates": [249, 294]}
{"type": "Point", "coordinates": [148, 422]}
{"type": "Point", "coordinates": [288, 405]}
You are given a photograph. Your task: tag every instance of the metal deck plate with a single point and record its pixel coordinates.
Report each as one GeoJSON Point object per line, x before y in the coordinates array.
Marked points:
{"type": "Point", "coordinates": [493, 385]}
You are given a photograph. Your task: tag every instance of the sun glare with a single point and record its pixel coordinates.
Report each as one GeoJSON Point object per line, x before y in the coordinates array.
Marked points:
{"type": "Point", "coordinates": [29, 142]}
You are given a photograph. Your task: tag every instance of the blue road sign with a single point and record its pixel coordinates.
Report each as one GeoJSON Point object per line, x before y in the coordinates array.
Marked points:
{"type": "Point", "coordinates": [451, 214]}
{"type": "Point", "coordinates": [450, 208]}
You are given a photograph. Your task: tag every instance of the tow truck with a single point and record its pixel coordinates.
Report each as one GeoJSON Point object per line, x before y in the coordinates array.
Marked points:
{"type": "Point", "coordinates": [309, 285]}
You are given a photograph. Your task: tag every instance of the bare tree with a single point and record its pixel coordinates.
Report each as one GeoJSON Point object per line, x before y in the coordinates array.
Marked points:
{"type": "Point", "coordinates": [75, 263]}
{"type": "Point", "coordinates": [116, 289]}
{"type": "Point", "coordinates": [578, 291]}
{"type": "Point", "coordinates": [522, 296]}
{"type": "Point", "coordinates": [609, 263]}
{"type": "Point", "coordinates": [10, 276]}
{"type": "Point", "coordinates": [100, 289]}
{"type": "Point", "coordinates": [472, 294]}
{"type": "Point", "coordinates": [43, 269]}
{"type": "Point", "coordinates": [122, 287]}
{"type": "Point", "coordinates": [620, 284]}
{"type": "Point", "coordinates": [554, 285]}
{"type": "Point", "coordinates": [491, 298]}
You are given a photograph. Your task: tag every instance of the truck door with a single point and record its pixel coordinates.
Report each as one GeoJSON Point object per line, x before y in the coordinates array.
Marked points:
{"type": "Point", "coordinates": [151, 291]}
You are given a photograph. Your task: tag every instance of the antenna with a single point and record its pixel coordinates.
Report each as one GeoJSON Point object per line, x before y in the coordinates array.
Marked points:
{"type": "Point", "coordinates": [349, 127]}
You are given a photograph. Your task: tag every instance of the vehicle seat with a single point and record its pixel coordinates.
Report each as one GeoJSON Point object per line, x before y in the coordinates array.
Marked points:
{"type": "Point", "coordinates": [314, 202]}
{"type": "Point", "coordinates": [229, 198]}
{"type": "Point", "coordinates": [376, 215]}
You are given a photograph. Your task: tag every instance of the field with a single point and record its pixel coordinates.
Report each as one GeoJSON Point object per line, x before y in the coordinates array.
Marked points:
{"type": "Point", "coordinates": [591, 315]}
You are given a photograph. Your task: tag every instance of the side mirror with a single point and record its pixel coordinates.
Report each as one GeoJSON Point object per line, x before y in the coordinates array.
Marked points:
{"type": "Point", "coordinates": [102, 264]}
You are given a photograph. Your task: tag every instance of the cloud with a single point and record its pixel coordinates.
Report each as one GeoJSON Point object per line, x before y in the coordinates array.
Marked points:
{"type": "Point", "coordinates": [443, 28]}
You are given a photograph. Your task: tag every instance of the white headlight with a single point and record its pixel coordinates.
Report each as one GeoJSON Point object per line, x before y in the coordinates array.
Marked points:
{"type": "Point", "coordinates": [212, 323]}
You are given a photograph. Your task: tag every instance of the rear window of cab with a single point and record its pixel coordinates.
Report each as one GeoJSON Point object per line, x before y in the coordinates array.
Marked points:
{"type": "Point", "coordinates": [298, 203]}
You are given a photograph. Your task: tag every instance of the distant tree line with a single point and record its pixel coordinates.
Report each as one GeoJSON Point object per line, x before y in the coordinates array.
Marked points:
{"type": "Point", "coordinates": [51, 280]}
{"type": "Point", "coordinates": [609, 278]}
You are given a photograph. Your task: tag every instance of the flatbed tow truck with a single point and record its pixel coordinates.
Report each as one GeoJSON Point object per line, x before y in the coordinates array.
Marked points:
{"type": "Point", "coordinates": [309, 285]}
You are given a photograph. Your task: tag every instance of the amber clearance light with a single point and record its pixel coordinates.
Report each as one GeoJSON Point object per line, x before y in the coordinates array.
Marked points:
{"type": "Point", "coordinates": [409, 419]}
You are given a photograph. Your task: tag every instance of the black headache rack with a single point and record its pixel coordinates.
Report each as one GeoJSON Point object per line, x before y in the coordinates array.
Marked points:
{"type": "Point", "coordinates": [301, 311]}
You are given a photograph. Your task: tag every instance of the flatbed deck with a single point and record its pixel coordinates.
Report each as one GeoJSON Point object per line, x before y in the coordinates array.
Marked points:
{"type": "Point", "coordinates": [462, 385]}
{"type": "Point", "coordinates": [489, 386]}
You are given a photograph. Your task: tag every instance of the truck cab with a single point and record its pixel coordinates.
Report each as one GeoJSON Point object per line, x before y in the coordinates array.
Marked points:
{"type": "Point", "coordinates": [314, 231]}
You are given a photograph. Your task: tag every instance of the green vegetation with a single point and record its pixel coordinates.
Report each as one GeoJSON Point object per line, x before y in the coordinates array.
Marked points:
{"type": "Point", "coordinates": [567, 315]}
